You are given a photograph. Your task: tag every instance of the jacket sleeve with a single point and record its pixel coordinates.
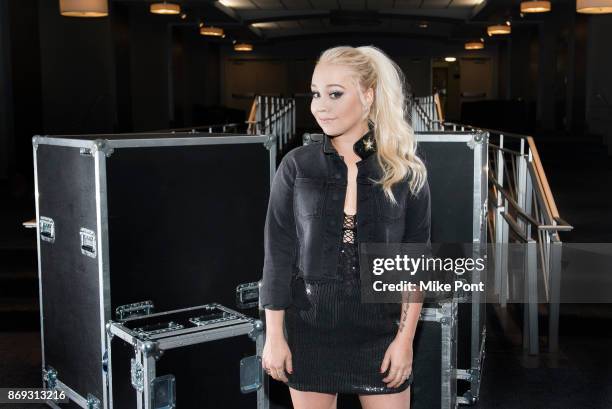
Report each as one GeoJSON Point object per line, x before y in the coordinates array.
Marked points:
{"type": "Point", "coordinates": [418, 217]}
{"type": "Point", "coordinates": [418, 232]}
{"type": "Point", "coordinates": [418, 224]}
{"type": "Point", "coordinates": [280, 239]}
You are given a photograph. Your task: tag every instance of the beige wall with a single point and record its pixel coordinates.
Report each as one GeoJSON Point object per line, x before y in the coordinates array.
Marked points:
{"type": "Point", "coordinates": [248, 76]}
{"type": "Point", "coordinates": [476, 79]}
{"type": "Point", "coordinates": [245, 77]}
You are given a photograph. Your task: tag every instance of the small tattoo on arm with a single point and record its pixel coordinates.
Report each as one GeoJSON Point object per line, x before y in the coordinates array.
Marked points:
{"type": "Point", "coordinates": [403, 317]}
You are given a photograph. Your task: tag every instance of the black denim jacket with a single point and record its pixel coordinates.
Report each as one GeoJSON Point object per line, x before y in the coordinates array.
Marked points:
{"type": "Point", "coordinates": [303, 228]}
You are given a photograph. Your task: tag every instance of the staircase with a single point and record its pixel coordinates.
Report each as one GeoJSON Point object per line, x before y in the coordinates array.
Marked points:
{"type": "Point", "coordinates": [19, 305]}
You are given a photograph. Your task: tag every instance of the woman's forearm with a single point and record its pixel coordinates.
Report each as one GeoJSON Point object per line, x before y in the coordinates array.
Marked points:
{"type": "Point", "coordinates": [275, 323]}
{"type": "Point", "coordinates": [409, 318]}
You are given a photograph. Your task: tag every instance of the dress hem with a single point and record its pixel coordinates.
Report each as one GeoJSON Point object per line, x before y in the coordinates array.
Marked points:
{"type": "Point", "coordinates": [305, 388]}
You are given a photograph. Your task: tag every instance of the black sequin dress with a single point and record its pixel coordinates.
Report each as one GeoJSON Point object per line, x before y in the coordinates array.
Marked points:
{"type": "Point", "coordinates": [338, 343]}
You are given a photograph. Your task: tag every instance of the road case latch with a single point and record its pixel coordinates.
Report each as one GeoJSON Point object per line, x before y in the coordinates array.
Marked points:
{"type": "Point", "coordinates": [163, 393]}
{"type": "Point", "coordinates": [47, 229]}
{"type": "Point", "coordinates": [250, 374]}
{"type": "Point", "coordinates": [247, 295]}
{"type": "Point", "coordinates": [88, 242]}
{"type": "Point", "coordinates": [136, 375]}
{"type": "Point", "coordinates": [136, 309]}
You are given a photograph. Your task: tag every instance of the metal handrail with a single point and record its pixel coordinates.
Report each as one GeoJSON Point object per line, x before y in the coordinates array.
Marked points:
{"type": "Point", "coordinates": [274, 115]}
{"type": "Point", "coordinates": [525, 206]}
{"type": "Point", "coordinates": [468, 126]}
{"type": "Point", "coordinates": [425, 113]}
{"type": "Point", "coordinates": [514, 204]}
{"type": "Point", "coordinates": [516, 153]}
{"type": "Point", "coordinates": [549, 200]}
{"type": "Point", "coordinates": [515, 227]}
{"type": "Point", "coordinates": [525, 216]}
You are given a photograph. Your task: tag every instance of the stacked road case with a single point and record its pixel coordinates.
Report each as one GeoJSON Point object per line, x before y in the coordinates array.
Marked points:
{"type": "Point", "coordinates": [449, 342]}
{"type": "Point", "coordinates": [154, 337]}
{"type": "Point", "coordinates": [124, 221]}
{"type": "Point", "coordinates": [457, 166]}
{"type": "Point", "coordinates": [137, 223]}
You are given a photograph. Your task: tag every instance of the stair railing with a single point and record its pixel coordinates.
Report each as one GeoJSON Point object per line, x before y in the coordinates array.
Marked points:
{"type": "Point", "coordinates": [522, 203]}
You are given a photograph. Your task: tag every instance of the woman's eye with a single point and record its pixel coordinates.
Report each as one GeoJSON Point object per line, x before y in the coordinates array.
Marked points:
{"type": "Point", "coordinates": [314, 94]}
{"type": "Point", "coordinates": [336, 94]}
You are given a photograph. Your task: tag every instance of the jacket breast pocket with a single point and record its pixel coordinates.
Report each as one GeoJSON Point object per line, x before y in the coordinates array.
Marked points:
{"type": "Point", "coordinates": [387, 210]}
{"type": "Point", "coordinates": [308, 197]}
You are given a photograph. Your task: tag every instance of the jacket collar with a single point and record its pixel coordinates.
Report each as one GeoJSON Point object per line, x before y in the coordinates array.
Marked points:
{"type": "Point", "coordinates": [364, 147]}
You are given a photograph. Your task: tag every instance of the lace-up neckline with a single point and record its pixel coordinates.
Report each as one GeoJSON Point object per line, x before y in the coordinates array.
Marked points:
{"type": "Point", "coordinates": [348, 228]}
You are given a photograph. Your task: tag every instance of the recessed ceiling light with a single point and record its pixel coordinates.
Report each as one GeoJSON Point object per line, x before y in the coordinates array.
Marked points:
{"type": "Point", "coordinates": [499, 29]}
{"type": "Point", "coordinates": [243, 47]}
{"type": "Point", "coordinates": [76, 8]}
{"type": "Point", "coordinates": [535, 6]}
{"type": "Point", "coordinates": [211, 31]}
{"type": "Point", "coordinates": [474, 45]}
{"type": "Point", "coordinates": [165, 8]}
{"type": "Point", "coordinates": [594, 6]}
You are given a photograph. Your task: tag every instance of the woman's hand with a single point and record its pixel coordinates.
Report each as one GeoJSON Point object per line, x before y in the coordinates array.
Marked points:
{"type": "Point", "coordinates": [399, 358]}
{"type": "Point", "coordinates": [277, 357]}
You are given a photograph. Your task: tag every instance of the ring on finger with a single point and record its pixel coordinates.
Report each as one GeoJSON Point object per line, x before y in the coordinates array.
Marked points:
{"type": "Point", "coordinates": [279, 374]}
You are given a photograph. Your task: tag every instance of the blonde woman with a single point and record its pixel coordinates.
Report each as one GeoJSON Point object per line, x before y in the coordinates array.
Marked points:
{"type": "Point", "coordinates": [362, 183]}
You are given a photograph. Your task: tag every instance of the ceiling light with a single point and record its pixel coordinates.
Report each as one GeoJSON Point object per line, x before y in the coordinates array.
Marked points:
{"type": "Point", "coordinates": [423, 24]}
{"type": "Point", "coordinates": [594, 6]}
{"type": "Point", "coordinates": [211, 31]}
{"type": "Point", "coordinates": [243, 47]}
{"type": "Point", "coordinates": [499, 29]}
{"type": "Point", "coordinates": [474, 45]}
{"type": "Point", "coordinates": [450, 59]}
{"type": "Point", "coordinates": [230, 3]}
{"type": "Point", "coordinates": [165, 8]}
{"type": "Point", "coordinates": [535, 6]}
{"type": "Point", "coordinates": [84, 8]}
{"type": "Point", "coordinates": [264, 24]}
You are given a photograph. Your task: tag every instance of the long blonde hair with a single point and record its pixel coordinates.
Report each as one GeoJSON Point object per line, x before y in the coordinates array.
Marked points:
{"type": "Point", "coordinates": [395, 142]}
